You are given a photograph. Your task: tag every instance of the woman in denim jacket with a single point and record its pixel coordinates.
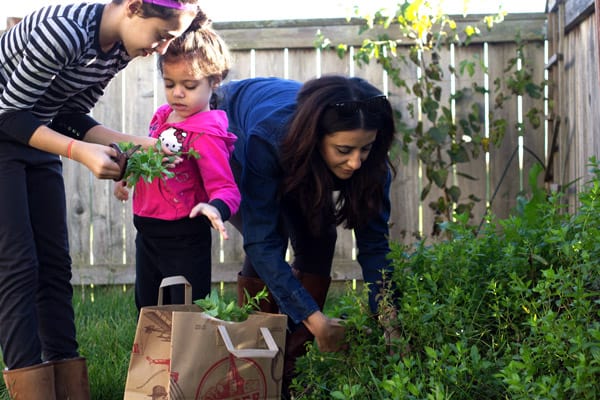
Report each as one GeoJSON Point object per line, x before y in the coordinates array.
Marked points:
{"type": "Point", "coordinates": [309, 158]}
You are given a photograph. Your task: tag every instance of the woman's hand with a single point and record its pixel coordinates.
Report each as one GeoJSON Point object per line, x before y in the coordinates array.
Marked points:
{"type": "Point", "coordinates": [213, 215]}
{"type": "Point", "coordinates": [388, 321]}
{"type": "Point", "coordinates": [329, 333]}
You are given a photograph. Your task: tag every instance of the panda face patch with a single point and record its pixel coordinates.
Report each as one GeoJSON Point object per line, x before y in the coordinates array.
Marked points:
{"type": "Point", "coordinates": [173, 139]}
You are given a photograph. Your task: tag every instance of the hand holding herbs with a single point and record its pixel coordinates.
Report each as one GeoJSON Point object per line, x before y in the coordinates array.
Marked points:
{"type": "Point", "coordinates": [122, 157]}
{"type": "Point", "coordinates": [149, 164]}
{"type": "Point", "coordinates": [216, 307]}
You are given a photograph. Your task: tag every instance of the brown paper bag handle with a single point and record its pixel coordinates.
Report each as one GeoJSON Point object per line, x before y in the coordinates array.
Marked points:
{"type": "Point", "coordinates": [172, 281]}
{"type": "Point", "coordinates": [270, 352]}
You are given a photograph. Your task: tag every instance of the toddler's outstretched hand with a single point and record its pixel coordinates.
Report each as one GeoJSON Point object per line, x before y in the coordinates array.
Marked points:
{"type": "Point", "coordinates": [120, 191]}
{"type": "Point", "coordinates": [213, 215]}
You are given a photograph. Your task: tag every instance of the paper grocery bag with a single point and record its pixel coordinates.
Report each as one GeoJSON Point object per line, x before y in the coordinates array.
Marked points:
{"type": "Point", "coordinates": [149, 370]}
{"type": "Point", "coordinates": [213, 359]}
{"type": "Point", "coordinates": [181, 353]}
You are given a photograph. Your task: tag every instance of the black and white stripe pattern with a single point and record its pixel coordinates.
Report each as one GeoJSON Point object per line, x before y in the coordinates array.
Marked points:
{"type": "Point", "coordinates": [51, 61]}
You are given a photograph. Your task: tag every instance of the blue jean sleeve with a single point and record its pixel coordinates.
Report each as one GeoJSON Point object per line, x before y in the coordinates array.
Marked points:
{"type": "Point", "coordinates": [264, 243]}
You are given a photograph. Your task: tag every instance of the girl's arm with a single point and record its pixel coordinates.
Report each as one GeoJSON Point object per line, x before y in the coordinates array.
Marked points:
{"type": "Point", "coordinates": [217, 177]}
{"type": "Point", "coordinates": [93, 152]}
{"type": "Point", "coordinates": [97, 158]}
{"type": "Point", "coordinates": [103, 135]}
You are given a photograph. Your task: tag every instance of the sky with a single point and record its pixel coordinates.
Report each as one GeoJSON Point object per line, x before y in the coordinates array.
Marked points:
{"type": "Point", "coordinates": [255, 10]}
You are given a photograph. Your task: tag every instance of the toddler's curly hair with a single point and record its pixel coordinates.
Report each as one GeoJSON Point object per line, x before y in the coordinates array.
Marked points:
{"type": "Point", "coordinates": [204, 49]}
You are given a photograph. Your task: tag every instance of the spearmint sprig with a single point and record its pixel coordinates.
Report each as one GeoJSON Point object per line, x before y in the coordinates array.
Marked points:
{"type": "Point", "coordinates": [151, 163]}
{"type": "Point", "coordinates": [216, 307]}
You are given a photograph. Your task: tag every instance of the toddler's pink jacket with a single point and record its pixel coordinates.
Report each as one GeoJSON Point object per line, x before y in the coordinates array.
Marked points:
{"type": "Point", "coordinates": [207, 179]}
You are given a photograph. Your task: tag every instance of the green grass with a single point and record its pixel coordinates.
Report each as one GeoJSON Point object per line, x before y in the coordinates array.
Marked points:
{"type": "Point", "coordinates": [106, 319]}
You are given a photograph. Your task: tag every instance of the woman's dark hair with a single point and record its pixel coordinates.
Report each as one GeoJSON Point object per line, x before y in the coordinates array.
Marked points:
{"type": "Point", "coordinates": [204, 50]}
{"type": "Point", "coordinates": [308, 180]}
{"type": "Point", "coordinates": [152, 10]}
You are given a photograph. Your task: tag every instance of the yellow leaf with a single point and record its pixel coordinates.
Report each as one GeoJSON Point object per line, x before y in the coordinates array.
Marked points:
{"type": "Point", "coordinates": [489, 21]}
{"type": "Point", "coordinates": [412, 11]}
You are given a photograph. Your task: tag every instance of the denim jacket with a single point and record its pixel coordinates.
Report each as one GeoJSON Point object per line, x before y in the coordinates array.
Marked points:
{"type": "Point", "coordinates": [259, 110]}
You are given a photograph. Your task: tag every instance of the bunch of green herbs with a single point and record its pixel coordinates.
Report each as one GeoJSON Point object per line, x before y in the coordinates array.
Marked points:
{"type": "Point", "coordinates": [218, 307]}
{"type": "Point", "coordinates": [151, 163]}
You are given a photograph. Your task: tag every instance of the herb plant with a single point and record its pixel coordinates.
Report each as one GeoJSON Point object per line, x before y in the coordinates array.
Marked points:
{"type": "Point", "coordinates": [510, 313]}
{"type": "Point", "coordinates": [216, 307]}
{"type": "Point", "coordinates": [151, 163]}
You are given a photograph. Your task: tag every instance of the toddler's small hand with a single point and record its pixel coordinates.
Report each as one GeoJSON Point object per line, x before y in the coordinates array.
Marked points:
{"type": "Point", "coordinates": [171, 161]}
{"type": "Point", "coordinates": [213, 215]}
{"type": "Point", "coordinates": [120, 191]}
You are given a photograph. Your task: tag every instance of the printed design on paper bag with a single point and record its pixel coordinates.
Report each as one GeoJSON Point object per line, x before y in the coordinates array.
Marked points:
{"type": "Point", "coordinates": [159, 393]}
{"type": "Point", "coordinates": [154, 328]}
{"type": "Point", "coordinates": [159, 361]}
{"type": "Point", "coordinates": [159, 324]}
{"type": "Point", "coordinates": [175, 390]}
{"type": "Point", "coordinates": [233, 386]}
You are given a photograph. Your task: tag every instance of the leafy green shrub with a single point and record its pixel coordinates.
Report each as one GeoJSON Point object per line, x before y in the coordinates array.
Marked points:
{"type": "Point", "coordinates": [511, 312]}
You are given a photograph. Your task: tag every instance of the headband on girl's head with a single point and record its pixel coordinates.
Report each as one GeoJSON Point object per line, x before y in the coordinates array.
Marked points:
{"type": "Point", "coordinates": [173, 4]}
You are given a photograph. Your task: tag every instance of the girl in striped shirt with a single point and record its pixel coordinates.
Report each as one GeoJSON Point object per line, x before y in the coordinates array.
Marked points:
{"type": "Point", "coordinates": [54, 66]}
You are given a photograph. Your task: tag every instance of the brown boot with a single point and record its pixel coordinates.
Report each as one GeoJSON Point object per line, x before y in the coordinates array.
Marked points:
{"type": "Point", "coordinates": [295, 342]}
{"type": "Point", "coordinates": [31, 383]}
{"type": "Point", "coordinates": [71, 379]}
{"type": "Point", "coordinates": [253, 286]}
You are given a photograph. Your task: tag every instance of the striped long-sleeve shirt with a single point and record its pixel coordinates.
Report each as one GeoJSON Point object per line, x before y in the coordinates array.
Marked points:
{"type": "Point", "coordinates": [53, 71]}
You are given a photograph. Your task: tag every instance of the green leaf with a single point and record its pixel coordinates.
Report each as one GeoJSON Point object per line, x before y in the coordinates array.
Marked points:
{"type": "Point", "coordinates": [438, 135]}
{"type": "Point", "coordinates": [425, 191]}
{"type": "Point", "coordinates": [150, 164]}
{"type": "Point", "coordinates": [454, 193]}
{"type": "Point", "coordinates": [439, 177]}
{"type": "Point", "coordinates": [431, 353]}
{"type": "Point", "coordinates": [458, 154]}
{"type": "Point", "coordinates": [215, 306]}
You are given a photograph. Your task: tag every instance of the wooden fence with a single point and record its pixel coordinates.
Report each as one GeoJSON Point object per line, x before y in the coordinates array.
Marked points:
{"type": "Point", "coordinates": [101, 230]}
{"type": "Point", "coordinates": [573, 67]}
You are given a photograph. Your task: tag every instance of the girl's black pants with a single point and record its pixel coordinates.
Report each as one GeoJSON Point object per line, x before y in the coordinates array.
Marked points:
{"type": "Point", "coordinates": [36, 312]}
